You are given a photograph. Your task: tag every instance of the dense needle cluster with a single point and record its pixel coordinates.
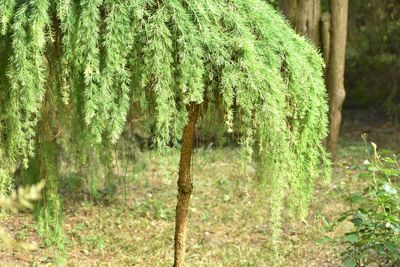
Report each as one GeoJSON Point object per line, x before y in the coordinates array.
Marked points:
{"type": "Point", "coordinates": [80, 66]}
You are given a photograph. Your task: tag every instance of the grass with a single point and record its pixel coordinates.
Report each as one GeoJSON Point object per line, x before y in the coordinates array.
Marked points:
{"type": "Point", "coordinates": [228, 225]}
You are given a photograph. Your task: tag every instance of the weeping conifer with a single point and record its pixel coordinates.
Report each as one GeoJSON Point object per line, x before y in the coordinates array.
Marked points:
{"type": "Point", "coordinates": [176, 60]}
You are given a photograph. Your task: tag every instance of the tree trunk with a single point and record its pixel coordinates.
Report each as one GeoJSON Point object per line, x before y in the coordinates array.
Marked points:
{"type": "Point", "coordinates": [328, 31]}
{"type": "Point", "coordinates": [305, 15]}
{"type": "Point", "coordinates": [185, 186]}
{"type": "Point", "coordinates": [326, 37]}
{"type": "Point", "coordinates": [335, 72]}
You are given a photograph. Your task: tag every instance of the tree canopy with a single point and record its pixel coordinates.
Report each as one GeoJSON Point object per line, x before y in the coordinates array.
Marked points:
{"type": "Point", "coordinates": [99, 59]}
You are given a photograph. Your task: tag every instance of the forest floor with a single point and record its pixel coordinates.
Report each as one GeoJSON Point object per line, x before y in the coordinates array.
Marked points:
{"type": "Point", "coordinates": [227, 226]}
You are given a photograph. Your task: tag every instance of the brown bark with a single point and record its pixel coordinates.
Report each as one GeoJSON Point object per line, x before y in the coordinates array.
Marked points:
{"type": "Point", "coordinates": [185, 186]}
{"type": "Point", "coordinates": [335, 72]}
{"type": "Point", "coordinates": [328, 31]}
{"type": "Point", "coordinates": [326, 36]}
{"type": "Point", "coordinates": [305, 16]}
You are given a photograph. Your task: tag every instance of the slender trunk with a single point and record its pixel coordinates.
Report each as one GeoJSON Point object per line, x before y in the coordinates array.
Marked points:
{"type": "Point", "coordinates": [305, 16]}
{"type": "Point", "coordinates": [185, 186]}
{"type": "Point", "coordinates": [335, 72]}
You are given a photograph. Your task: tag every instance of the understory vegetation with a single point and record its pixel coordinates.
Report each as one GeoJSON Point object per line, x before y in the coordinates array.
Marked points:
{"type": "Point", "coordinates": [135, 229]}
{"type": "Point", "coordinates": [375, 215]}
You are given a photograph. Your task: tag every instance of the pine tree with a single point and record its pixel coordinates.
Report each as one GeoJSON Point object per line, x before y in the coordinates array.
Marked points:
{"type": "Point", "coordinates": [78, 67]}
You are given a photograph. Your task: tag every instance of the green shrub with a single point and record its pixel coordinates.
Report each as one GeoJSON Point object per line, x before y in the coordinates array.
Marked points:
{"type": "Point", "coordinates": [375, 215]}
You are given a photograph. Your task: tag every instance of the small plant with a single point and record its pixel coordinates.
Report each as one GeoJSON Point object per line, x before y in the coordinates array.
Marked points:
{"type": "Point", "coordinates": [375, 215]}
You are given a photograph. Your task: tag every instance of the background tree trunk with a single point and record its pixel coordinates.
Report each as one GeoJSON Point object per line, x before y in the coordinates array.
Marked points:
{"type": "Point", "coordinates": [335, 72]}
{"type": "Point", "coordinates": [326, 37]}
{"type": "Point", "coordinates": [185, 186]}
{"type": "Point", "coordinates": [329, 32]}
{"type": "Point", "coordinates": [305, 15]}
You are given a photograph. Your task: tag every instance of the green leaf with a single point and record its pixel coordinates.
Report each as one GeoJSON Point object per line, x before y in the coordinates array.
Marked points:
{"type": "Point", "coordinates": [357, 221]}
{"type": "Point", "coordinates": [352, 238]}
{"type": "Point", "coordinates": [342, 218]}
{"type": "Point", "coordinates": [391, 172]}
{"type": "Point", "coordinates": [392, 246]}
{"type": "Point", "coordinates": [327, 226]}
{"type": "Point", "coordinates": [356, 198]}
{"type": "Point", "coordinates": [390, 160]}
{"type": "Point", "coordinates": [364, 175]}
{"type": "Point", "coordinates": [373, 169]}
{"type": "Point", "coordinates": [349, 262]}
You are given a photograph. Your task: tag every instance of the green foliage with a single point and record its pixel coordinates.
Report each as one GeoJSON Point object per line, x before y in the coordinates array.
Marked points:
{"type": "Point", "coordinates": [5, 179]}
{"type": "Point", "coordinates": [48, 212]}
{"type": "Point", "coordinates": [375, 215]}
{"type": "Point", "coordinates": [372, 65]}
{"type": "Point", "coordinates": [26, 75]}
{"type": "Point", "coordinates": [236, 58]}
